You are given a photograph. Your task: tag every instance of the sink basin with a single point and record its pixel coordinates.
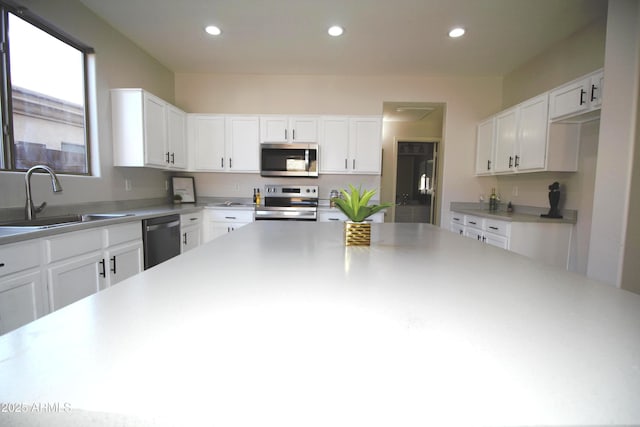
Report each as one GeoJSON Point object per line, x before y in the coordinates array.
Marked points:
{"type": "Point", "coordinates": [54, 221]}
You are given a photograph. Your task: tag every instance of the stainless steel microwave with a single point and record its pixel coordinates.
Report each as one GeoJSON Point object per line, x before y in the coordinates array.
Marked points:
{"type": "Point", "coordinates": [296, 160]}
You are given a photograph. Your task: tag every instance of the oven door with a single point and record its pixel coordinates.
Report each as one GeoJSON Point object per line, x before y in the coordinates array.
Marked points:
{"type": "Point", "coordinates": [296, 160]}
{"type": "Point", "coordinates": [282, 213]}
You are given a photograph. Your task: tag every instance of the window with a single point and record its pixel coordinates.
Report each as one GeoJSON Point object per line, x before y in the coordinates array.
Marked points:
{"type": "Point", "coordinates": [44, 99]}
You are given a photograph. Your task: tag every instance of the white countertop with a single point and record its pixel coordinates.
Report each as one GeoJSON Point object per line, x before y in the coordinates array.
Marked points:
{"type": "Point", "coordinates": [279, 324]}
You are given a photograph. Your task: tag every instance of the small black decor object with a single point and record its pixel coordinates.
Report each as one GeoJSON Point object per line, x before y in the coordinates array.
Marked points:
{"type": "Point", "coordinates": [554, 199]}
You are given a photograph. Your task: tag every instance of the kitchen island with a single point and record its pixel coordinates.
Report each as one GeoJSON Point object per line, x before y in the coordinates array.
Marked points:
{"type": "Point", "coordinates": [279, 324]}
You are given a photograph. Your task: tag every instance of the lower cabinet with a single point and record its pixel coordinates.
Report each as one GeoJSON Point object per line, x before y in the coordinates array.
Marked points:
{"type": "Point", "coordinates": [22, 285]}
{"type": "Point", "coordinates": [42, 275]}
{"type": "Point", "coordinates": [220, 221]}
{"type": "Point", "coordinates": [82, 263]}
{"type": "Point", "coordinates": [546, 242]}
{"type": "Point", "coordinates": [190, 231]}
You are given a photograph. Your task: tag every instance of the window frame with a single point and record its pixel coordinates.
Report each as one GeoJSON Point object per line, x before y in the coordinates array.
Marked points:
{"type": "Point", "coordinates": [7, 159]}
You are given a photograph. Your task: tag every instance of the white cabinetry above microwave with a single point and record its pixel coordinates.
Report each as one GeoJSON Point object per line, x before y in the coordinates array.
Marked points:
{"type": "Point", "coordinates": [223, 143]}
{"type": "Point", "coordinates": [280, 129]}
{"type": "Point", "coordinates": [147, 131]}
{"type": "Point", "coordinates": [350, 145]}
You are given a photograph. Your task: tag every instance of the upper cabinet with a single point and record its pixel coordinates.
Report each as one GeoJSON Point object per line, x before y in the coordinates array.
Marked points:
{"type": "Point", "coordinates": [147, 131]}
{"type": "Point", "coordinates": [540, 134]}
{"type": "Point", "coordinates": [288, 129]}
{"type": "Point", "coordinates": [521, 136]}
{"type": "Point", "coordinates": [486, 142]}
{"type": "Point", "coordinates": [350, 145]}
{"type": "Point", "coordinates": [220, 143]}
{"type": "Point", "coordinates": [578, 100]}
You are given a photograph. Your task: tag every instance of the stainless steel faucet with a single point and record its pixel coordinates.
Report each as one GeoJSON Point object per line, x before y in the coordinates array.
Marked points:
{"type": "Point", "coordinates": [30, 210]}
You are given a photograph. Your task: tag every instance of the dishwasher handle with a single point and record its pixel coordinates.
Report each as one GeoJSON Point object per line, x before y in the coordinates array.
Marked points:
{"type": "Point", "coordinates": [163, 225]}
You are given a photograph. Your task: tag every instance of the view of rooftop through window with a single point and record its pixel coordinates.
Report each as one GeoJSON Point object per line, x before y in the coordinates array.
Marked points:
{"type": "Point", "coordinates": [48, 100]}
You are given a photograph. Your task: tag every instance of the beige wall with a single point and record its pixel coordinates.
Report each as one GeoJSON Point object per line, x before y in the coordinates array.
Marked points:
{"type": "Point", "coordinates": [467, 101]}
{"type": "Point", "coordinates": [575, 56]}
{"type": "Point", "coordinates": [118, 63]}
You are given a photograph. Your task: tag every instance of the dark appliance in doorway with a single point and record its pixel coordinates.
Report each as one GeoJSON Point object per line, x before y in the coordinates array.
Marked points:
{"type": "Point", "coordinates": [161, 239]}
{"type": "Point", "coordinates": [289, 203]}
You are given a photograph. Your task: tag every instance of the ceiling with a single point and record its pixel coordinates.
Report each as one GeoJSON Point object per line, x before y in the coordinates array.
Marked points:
{"type": "Point", "coordinates": [399, 37]}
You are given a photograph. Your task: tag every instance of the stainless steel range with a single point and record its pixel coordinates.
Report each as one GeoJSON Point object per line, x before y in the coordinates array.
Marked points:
{"type": "Point", "coordinates": [289, 202]}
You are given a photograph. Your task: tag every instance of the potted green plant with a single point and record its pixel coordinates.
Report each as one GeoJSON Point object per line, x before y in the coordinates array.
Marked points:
{"type": "Point", "coordinates": [177, 199]}
{"type": "Point", "coordinates": [355, 205]}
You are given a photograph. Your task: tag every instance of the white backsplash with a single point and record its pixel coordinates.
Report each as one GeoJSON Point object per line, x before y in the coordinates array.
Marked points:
{"type": "Point", "coordinates": [242, 185]}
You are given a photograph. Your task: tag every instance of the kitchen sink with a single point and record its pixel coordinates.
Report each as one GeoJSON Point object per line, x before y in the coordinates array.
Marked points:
{"type": "Point", "coordinates": [55, 221]}
{"type": "Point", "coordinates": [231, 204]}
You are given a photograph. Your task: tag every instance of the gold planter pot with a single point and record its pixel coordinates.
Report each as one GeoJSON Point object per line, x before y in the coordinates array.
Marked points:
{"type": "Point", "coordinates": [357, 233]}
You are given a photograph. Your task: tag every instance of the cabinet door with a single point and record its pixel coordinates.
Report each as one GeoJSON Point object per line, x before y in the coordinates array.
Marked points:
{"type": "Point", "coordinates": [473, 233]}
{"type": "Point", "coordinates": [21, 299]}
{"type": "Point", "coordinates": [532, 134]}
{"type": "Point", "coordinates": [155, 131]}
{"type": "Point", "coordinates": [190, 238]}
{"type": "Point", "coordinates": [456, 228]}
{"type": "Point", "coordinates": [506, 135]}
{"type": "Point", "coordinates": [494, 240]}
{"type": "Point", "coordinates": [124, 261]}
{"type": "Point", "coordinates": [334, 145]}
{"type": "Point", "coordinates": [365, 144]}
{"type": "Point", "coordinates": [207, 143]}
{"type": "Point", "coordinates": [242, 144]}
{"type": "Point", "coordinates": [76, 278]}
{"type": "Point", "coordinates": [274, 129]}
{"type": "Point", "coordinates": [570, 99]}
{"type": "Point", "coordinates": [303, 129]}
{"type": "Point", "coordinates": [484, 147]}
{"type": "Point", "coordinates": [177, 137]}
{"type": "Point", "coordinates": [596, 89]}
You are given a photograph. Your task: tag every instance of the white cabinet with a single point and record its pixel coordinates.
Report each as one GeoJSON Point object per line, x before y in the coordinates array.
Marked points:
{"type": "Point", "coordinates": [123, 251]}
{"type": "Point", "coordinates": [220, 221]}
{"type": "Point", "coordinates": [578, 99]}
{"type": "Point", "coordinates": [335, 215]}
{"type": "Point", "coordinates": [206, 142]}
{"type": "Point", "coordinates": [176, 138]}
{"type": "Point", "coordinates": [521, 136]}
{"type": "Point", "coordinates": [22, 292]}
{"type": "Point", "coordinates": [242, 143]}
{"type": "Point", "coordinates": [351, 145]}
{"type": "Point", "coordinates": [76, 267]}
{"type": "Point", "coordinates": [147, 131]}
{"type": "Point", "coordinates": [282, 129]}
{"type": "Point", "coordinates": [222, 143]}
{"type": "Point", "coordinates": [82, 263]}
{"type": "Point", "coordinates": [485, 143]}
{"type": "Point", "coordinates": [190, 231]}
{"type": "Point", "coordinates": [490, 231]}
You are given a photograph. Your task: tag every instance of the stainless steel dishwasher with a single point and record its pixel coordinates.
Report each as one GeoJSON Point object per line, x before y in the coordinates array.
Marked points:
{"type": "Point", "coordinates": [161, 237]}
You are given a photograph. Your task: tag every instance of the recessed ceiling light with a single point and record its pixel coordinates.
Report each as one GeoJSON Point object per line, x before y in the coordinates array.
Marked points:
{"type": "Point", "coordinates": [335, 31]}
{"type": "Point", "coordinates": [456, 32]}
{"type": "Point", "coordinates": [213, 30]}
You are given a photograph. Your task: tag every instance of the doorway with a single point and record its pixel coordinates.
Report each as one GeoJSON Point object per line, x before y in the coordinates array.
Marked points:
{"type": "Point", "coordinates": [416, 181]}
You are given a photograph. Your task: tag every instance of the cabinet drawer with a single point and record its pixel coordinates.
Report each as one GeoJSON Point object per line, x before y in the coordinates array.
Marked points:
{"type": "Point", "coordinates": [189, 219]}
{"type": "Point", "coordinates": [117, 234]}
{"type": "Point", "coordinates": [19, 256]}
{"type": "Point", "coordinates": [331, 216]}
{"type": "Point", "coordinates": [497, 227]}
{"type": "Point", "coordinates": [227, 215]}
{"type": "Point", "coordinates": [473, 221]}
{"type": "Point", "coordinates": [73, 244]}
{"type": "Point", "coordinates": [457, 218]}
